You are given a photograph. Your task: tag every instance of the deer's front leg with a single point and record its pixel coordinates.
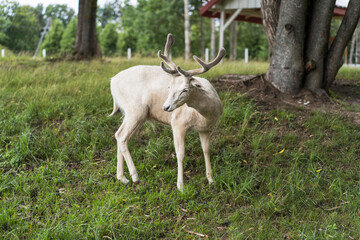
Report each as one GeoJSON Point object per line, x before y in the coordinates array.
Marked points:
{"type": "Point", "coordinates": [205, 142]}
{"type": "Point", "coordinates": [179, 142]}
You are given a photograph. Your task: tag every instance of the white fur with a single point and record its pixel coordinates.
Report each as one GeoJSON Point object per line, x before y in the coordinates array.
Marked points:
{"type": "Point", "coordinates": [142, 92]}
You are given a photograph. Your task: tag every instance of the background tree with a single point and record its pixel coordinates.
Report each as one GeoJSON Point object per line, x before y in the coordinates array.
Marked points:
{"type": "Point", "coordinates": [213, 39]}
{"type": "Point", "coordinates": [150, 21]}
{"type": "Point", "coordinates": [251, 36]}
{"type": "Point", "coordinates": [138, 27]}
{"type": "Point", "coordinates": [108, 39]}
{"type": "Point", "coordinates": [4, 21]}
{"type": "Point", "coordinates": [52, 39]}
{"type": "Point", "coordinates": [200, 29]}
{"type": "Point", "coordinates": [24, 31]}
{"type": "Point", "coordinates": [128, 34]}
{"type": "Point", "coordinates": [301, 56]}
{"type": "Point", "coordinates": [110, 12]}
{"type": "Point", "coordinates": [60, 11]}
{"type": "Point", "coordinates": [39, 12]}
{"type": "Point", "coordinates": [68, 38]}
{"type": "Point", "coordinates": [187, 29]}
{"type": "Point", "coordinates": [86, 45]}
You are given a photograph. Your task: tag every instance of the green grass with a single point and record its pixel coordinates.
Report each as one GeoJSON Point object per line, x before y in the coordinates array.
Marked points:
{"type": "Point", "coordinates": [348, 73]}
{"type": "Point", "coordinates": [58, 165]}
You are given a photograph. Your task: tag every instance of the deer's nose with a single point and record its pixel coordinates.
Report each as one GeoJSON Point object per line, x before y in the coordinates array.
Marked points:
{"type": "Point", "coordinates": [166, 108]}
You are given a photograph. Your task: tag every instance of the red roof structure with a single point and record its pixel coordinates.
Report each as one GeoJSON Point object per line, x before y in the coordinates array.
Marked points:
{"type": "Point", "coordinates": [212, 9]}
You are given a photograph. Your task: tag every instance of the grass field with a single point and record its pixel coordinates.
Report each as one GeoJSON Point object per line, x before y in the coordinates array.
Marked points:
{"type": "Point", "coordinates": [278, 174]}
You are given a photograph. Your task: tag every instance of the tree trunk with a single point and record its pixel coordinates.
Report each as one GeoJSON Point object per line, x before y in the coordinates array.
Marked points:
{"type": "Point", "coordinates": [213, 39]}
{"type": "Point", "coordinates": [202, 38]}
{"type": "Point", "coordinates": [357, 37]}
{"type": "Point", "coordinates": [352, 48]}
{"type": "Point", "coordinates": [287, 66]}
{"type": "Point", "coordinates": [334, 59]}
{"type": "Point", "coordinates": [79, 25]}
{"type": "Point", "coordinates": [270, 10]}
{"type": "Point", "coordinates": [187, 29]}
{"type": "Point", "coordinates": [317, 42]}
{"type": "Point", "coordinates": [86, 45]}
{"type": "Point", "coordinates": [233, 40]}
{"type": "Point", "coordinates": [288, 63]}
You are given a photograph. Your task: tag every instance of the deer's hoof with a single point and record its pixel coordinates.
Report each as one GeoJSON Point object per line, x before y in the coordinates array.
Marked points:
{"type": "Point", "coordinates": [135, 177]}
{"type": "Point", "coordinates": [123, 179]}
{"type": "Point", "coordinates": [180, 187]}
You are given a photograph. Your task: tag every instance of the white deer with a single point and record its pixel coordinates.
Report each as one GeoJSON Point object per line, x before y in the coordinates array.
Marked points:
{"type": "Point", "coordinates": [170, 96]}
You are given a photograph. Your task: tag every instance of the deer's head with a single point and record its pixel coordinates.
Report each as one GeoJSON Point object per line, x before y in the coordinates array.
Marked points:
{"type": "Point", "coordinates": [182, 83]}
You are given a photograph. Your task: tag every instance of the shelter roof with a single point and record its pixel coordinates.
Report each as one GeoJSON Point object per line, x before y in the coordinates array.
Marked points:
{"type": "Point", "coordinates": [251, 9]}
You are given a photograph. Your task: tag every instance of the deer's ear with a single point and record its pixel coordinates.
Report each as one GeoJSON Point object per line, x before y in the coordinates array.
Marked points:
{"type": "Point", "coordinates": [195, 83]}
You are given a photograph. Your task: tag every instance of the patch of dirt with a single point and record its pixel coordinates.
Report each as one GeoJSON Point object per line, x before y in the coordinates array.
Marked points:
{"type": "Point", "coordinates": [268, 97]}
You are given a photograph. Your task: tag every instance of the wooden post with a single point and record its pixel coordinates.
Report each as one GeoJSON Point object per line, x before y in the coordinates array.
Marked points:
{"type": "Point", "coordinates": [206, 55]}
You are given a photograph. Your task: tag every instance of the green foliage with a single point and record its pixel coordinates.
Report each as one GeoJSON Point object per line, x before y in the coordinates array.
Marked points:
{"type": "Point", "coordinates": [53, 38]}
{"type": "Point", "coordinates": [195, 25]}
{"type": "Point", "coordinates": [108, 39]}
{"type": "Point", "coordinates": [58, 164]}
{"type": "Point", "coordinates": [68, 38]}
{"type": "Point", "coordinates": [60, 11]}
{"type": "Point", "coordinates": [150, 22]}
{"type": "Point", "coordinates": [142, 27]}
{"type": "Point", "coordinates": [39, 12]}
{"type": "Point", "coordinates": [128, 36]}
{"type": "Point", "coordinates": [24, 31]}
{"type": "Point", "coordinates": [252, 36]}
{"type": "Point", "coordinates": [5, 9]}
{"type": "Point", "coordinates": [21, 25]}
{"type": "Point", "coordinates": [109, 13]}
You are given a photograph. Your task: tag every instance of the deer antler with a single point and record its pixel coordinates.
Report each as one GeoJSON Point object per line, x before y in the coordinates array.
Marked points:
{"type": "Point", "coordinates": [173, 70]}
{"type": "Point", "coordinates": [205, 66]}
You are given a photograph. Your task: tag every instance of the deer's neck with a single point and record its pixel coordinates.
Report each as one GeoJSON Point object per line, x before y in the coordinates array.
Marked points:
{"type": "Point", "coordinates": [207, 103]}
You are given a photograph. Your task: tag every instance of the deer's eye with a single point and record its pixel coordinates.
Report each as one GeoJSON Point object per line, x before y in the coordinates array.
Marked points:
{"type": "Point", "coordinates": [186, 90]}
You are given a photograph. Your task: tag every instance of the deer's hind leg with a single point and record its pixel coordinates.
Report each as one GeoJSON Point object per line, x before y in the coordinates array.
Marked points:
{"type": "Point", "coordinates": [132, 122]}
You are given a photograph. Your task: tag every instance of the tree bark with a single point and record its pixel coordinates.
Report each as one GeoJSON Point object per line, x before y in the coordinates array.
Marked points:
{"type": "Point", "coordinates": [317, 41]}
{"type": "Point", "coordinates": [231, 41]}
{"type": "Point", "coordinates": [187, 29]}
{"type": "Point", "coordinates": [352, 48]}
{"type": "Point", "coordinates": [270, 10]}
{"type": "Point", "coordinates": [334, 59]}
{"type": "Point", "coordinates": [86, 45]}
{"type": "Point", "coordinates": [235, 40]}
{"type": "Point", "coordinates": [213, 39]}
{"type": "Point", "coordinates": [202, 38]}
{"type": "Point", "coordinates": [357, 37]}
{"type": "Point", "coordinates": [287, 66]}
{"type": "Point", "coordinates": [79, 25]}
